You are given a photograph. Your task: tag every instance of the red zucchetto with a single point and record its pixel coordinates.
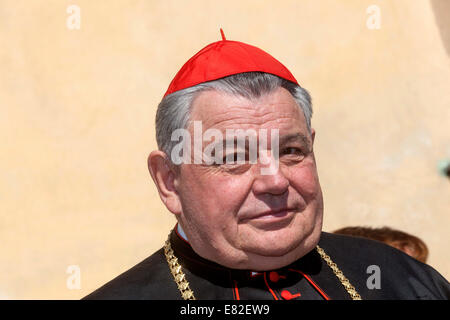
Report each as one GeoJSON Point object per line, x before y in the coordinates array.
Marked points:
{"type": "Point", "coordinates": [225, 58]}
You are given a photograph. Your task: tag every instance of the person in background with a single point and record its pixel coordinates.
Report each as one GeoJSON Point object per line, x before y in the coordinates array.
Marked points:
{"type": "Point", "coordinates": [403, 241]}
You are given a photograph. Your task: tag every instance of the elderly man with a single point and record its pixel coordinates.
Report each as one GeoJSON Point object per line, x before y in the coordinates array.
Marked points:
{"type": "Point", "coordinates": [236, 167]}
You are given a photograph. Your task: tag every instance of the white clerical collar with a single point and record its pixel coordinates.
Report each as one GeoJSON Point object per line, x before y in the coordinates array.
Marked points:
{"type": "Point", "coordinates": [181, 232]}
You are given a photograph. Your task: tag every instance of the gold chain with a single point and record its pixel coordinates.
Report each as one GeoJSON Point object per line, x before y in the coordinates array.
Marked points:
{"type": "Point", "coordinates": [177, 272]}
{"type": "Point", "coordinates": [338, 273]}
{"type": "Point", "coordinates": [188, 294]}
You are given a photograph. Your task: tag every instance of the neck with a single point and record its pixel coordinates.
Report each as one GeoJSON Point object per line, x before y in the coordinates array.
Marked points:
{"type": "Point", "coordinates": [182, 235]}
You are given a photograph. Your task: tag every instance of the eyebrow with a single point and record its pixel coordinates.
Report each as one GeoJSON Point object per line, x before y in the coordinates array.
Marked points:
{"type": "Point", "coordinates": [300, 137]}
{"type": "Point", "coordinates": [294, 137]}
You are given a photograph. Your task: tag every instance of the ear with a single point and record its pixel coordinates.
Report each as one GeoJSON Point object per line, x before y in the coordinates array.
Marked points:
{"type": "Point", "coordinates": [313, 135]}
{"type": "Point", "coordinates": [164, 177]}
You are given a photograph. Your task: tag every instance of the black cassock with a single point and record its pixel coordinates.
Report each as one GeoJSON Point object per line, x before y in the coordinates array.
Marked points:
{"type": "Point", "coordinates": [376, 270]}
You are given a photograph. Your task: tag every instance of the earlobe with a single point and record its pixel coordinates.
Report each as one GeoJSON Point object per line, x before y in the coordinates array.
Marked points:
{"type": "Point", "coordinates": [164, 178]}
{"type": "Point", "coordinates": [313, 135]}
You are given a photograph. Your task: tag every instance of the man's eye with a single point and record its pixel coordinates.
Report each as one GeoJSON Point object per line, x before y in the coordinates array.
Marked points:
{"type": "Point", "coordinates": [293, 151]}
{"type": "Point", "coordinates": [233, 158]}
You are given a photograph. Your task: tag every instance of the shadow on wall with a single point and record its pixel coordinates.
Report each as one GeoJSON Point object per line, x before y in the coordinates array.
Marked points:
{"type": "Point", "coordinates": [441, 9]}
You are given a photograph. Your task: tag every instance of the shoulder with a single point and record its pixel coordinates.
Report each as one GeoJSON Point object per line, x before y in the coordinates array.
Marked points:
{"type": "Point", "coordinates": [344, 244]}
{"type": "Point", "coordinates": [401, 276]}
{"type": "Point", "coordinates": [149, 279]}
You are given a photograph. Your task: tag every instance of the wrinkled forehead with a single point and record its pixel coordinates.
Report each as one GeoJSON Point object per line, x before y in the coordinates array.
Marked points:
{"type": "Point", "coordinates": [220, 110]}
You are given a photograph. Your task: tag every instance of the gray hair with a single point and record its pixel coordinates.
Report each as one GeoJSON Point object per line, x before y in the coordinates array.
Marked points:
{"type": "Point", "coordinates": [174, 110]}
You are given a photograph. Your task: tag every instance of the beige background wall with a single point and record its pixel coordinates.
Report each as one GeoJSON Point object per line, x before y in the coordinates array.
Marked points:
{"type": "Point", "coordinates": [77, 110]}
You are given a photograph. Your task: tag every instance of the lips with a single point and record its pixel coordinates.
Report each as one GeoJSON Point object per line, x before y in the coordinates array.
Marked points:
{"type": "Point", "coordinates": [270, 214]}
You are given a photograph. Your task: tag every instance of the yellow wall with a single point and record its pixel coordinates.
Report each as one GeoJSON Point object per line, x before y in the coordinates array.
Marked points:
{"type": "Point", "coordinates": [77, 114]}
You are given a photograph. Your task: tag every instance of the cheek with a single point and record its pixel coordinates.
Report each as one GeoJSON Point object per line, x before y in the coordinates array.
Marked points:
{"type": "Point", "coordinates": [305, 181]}
{"type": "Point", "coordinates": [210, 209]}
{"type": "Point", "coordinates": [211, 196]}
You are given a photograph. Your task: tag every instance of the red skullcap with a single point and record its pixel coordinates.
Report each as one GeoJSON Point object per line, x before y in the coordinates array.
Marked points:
{"type": "Point", "coordinates": [225, 58]}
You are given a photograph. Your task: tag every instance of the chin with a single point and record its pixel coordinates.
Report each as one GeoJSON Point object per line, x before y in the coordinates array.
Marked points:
{"type": "Point", "coordinates": [268, 254]}
{"type": "Point", "coordinates": [270, 249]}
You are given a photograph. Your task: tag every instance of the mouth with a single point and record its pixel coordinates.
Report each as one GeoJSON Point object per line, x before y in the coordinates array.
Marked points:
{"type": "Point", "coordinates": [270, 217]}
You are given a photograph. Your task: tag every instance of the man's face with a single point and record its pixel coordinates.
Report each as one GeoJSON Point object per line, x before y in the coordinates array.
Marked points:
{"type": "Point", "coordinates": [235, 215]}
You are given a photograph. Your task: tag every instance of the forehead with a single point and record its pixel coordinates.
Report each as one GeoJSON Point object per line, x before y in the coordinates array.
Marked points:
{"type": "Point", "coordinates": [219, 110]}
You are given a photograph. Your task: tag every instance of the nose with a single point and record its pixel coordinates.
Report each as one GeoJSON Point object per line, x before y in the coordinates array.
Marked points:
{"type": "Point", "coordinates": [275, 182]}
